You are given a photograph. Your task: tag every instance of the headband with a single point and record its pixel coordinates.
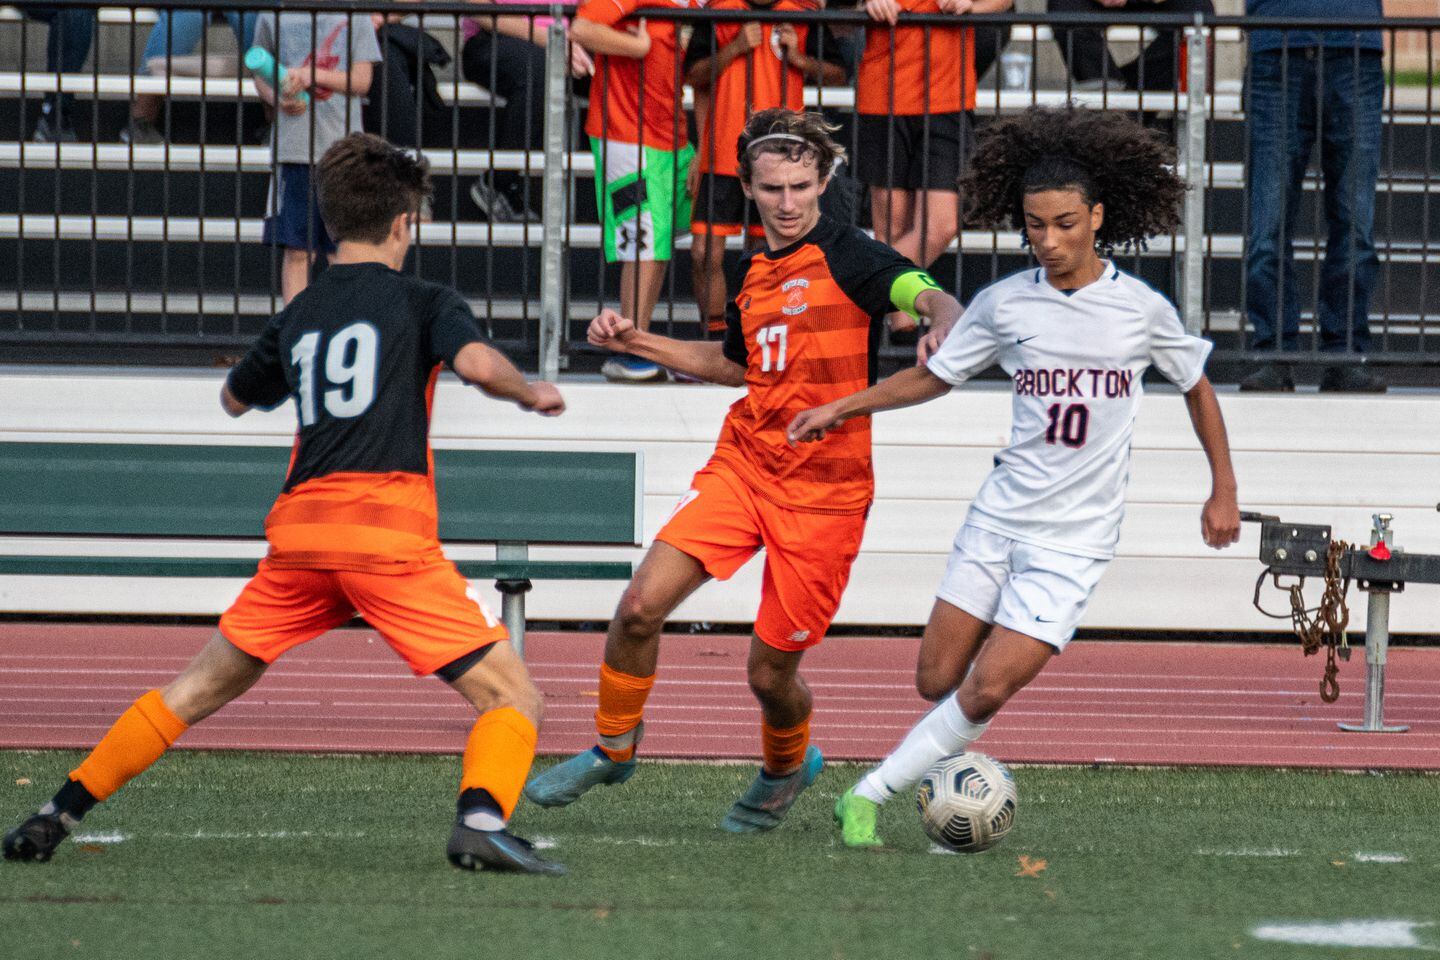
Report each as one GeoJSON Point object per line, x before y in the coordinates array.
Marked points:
{"type": "Point", "coordinates": [776, 136]}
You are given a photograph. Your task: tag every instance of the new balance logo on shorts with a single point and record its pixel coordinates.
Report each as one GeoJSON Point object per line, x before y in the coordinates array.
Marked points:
{"type": "Point", "coordinates": [799, 636]}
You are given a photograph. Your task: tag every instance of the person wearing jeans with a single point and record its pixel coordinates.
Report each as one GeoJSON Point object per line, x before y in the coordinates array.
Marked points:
{"type": "Point", "coordinates": [176, 33]}
{"type": "Point", "coordinates": [71, 34]}
{"type": "Point", "coordinates": [1304, 87]}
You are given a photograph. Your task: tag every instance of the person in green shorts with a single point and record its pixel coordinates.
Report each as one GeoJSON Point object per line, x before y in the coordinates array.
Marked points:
{"type": "Point", "coordinates": [642, 160]}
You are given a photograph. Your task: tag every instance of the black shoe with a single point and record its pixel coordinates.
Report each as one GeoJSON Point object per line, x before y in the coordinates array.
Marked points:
{"type": "Point", "coordinates": [1351, 378]}
{"type": "Point", "coordinates": [1271, 378]}
{"type": "Point", "coordinates": [36, 838]}
{"type": "Point", "coordinates": [495, 850]}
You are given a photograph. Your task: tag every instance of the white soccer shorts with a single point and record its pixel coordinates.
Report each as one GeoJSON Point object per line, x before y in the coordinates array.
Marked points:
{"type": "Point", "coordinates": [1036, 591]}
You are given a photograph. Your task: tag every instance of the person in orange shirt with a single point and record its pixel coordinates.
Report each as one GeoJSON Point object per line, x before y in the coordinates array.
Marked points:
{"type": "Point", "coordinates": [638, 133]}
{"type": "Point", "coordinates": [735, 70]}
{"type": "Point", "coordinates": [355, 528]}
{"type": "Point", "coordinates": [803, 324]}
{"type": "Point", "coordinates": [915, 91]}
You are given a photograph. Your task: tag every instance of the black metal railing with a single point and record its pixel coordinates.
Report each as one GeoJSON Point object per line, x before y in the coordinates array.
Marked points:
{"type": "Point", "coordinates": [113, 249]}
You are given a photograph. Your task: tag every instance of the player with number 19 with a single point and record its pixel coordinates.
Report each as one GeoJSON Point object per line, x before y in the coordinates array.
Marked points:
{"type": "Point", "coordinates": [355, 527]}
{"type": "Point", "coordinates": [1075, 335]}
{"type": "Point", "coordinates": [802, 327]}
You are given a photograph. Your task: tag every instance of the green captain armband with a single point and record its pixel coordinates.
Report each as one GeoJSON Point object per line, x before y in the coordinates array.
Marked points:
{"type": "Point", "coordinates": [907, 287]}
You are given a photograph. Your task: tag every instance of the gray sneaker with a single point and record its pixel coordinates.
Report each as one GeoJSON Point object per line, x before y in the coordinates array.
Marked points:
{"type": "Point", "coordinates": [141, 133]}
{"type": "Point", "coordinates": [624, 368]}
{"type": "Point", "coordinates": [768, 799]}
{"type": "Point", "coordinates": [49, 130]}
{"type": "Point", "coordinates": [565, 782]}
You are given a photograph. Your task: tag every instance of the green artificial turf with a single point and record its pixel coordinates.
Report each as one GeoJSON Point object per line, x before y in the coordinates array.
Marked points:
{"type": "Point", "coordinates": [213, 855]}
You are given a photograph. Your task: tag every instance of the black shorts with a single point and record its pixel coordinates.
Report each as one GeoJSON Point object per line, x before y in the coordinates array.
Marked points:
{"type": "Point", "coordinates": [920, 152]}
{"type": "Point", "coordinates": [721, 208]}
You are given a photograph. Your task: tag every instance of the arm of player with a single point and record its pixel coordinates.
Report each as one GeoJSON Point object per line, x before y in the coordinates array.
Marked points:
{"type": "Point", "coordinates": [598, 38]}
{"type": "Point", "coordinates": [704, 359]}
{"type": "Point", "coordinates": [904, 389]}
{"type": "Point", "coordinates": [487, 369]}
{"type": "Point", "coordinates": [943, 311]}
{"type": "Point", "coordinates": [232, 404]}
{"type": "Point", "coordinates": [814, 71]}
{"type": "Point", "coordinates": [1220, 517]}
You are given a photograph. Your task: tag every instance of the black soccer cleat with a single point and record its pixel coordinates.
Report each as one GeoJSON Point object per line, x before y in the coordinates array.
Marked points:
{"type": "Point", "coordinates": [497, 850]}
{"type": "Point", "coordinates": [36, 838]}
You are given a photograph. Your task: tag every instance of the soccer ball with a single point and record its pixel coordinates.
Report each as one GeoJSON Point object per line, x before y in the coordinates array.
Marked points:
{"type": "Point", "coordinates": [967, 802]}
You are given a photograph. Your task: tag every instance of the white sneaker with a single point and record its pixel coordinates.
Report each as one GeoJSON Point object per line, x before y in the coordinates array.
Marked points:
{"type": "Point", "coordinates": [625, 368]}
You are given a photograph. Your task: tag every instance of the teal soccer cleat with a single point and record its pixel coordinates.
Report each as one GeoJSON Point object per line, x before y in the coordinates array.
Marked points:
{"type": "Point", "coordinates": [768, 799]}
{"type": "Point", "coordinates": [564, 783]}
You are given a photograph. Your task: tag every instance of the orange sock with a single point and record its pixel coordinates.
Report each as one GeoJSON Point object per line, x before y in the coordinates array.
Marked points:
{"type": "Point", "coordinates": [784, 750]}
{"type": "Point", "coordinates": [498, 756]}
{"type": "Point", "coordinates": [136, 740]}
{"type": "Point", "coordinates": [622, 705]}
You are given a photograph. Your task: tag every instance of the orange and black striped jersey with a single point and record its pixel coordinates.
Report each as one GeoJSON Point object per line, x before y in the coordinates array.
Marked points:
{"type": "Point", "coordinates": [805, 324]}
{"type": "Point", "coordinates": [359, 351]}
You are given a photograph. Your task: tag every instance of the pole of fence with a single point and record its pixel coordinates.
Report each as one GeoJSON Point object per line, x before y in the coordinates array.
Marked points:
{"type": "Point", "coordinates": [1197, 83]}
{"type": "Point", "coordinates": [557, 72]}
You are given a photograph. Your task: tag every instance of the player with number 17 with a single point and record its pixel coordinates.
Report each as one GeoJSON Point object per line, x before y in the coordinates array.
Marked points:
{"type": "Point", "coordinates": [802, 325]}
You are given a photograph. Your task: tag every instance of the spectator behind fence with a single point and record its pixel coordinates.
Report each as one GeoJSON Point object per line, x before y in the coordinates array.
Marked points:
{"type": "Point", "coordinates": [176, 33]}
{"type": "Point", "coordinates": [71, 34]}
{"type": "Point", "coordinates": [404, 104]}
{"type": "Point", "coordinates": [506, 55]}
{"type": "Point", "coordinates": [328, 69]}
{"type": "Point", "coordinates": [1086, 52]}
{"type": "Point", "coordinates": [736, 70]}
{"type": "Point", "coordinates": [914, 98]}
{"type": "Point", "coordinates": [642, 161]}
{"type": "Point", "coordinates": [1306, 86]}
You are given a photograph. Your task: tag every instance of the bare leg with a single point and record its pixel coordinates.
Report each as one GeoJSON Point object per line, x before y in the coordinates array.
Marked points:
{"type": "Point", "coordinates": [707, 257]}
{"type": "Point", "coordinates": [951, 640]}
{"type": "Point", "coordinates": [501, 680]}
{"type": "Point", "coordinates": [219, 673]}
{"type": "Point", "coordinates": [1007, 662]}
{"type": "Point", "coordinates": [892, 211]}
{"type": "Point", "coordinates": [665, 578]}
{"type": "Point", "coordinates": [638, 301]}
{"type": "Point", "coordinates": [936, 222]}
{"type": "Point", "coordinates": [775, 680]}
{"type": "Point", "coordinates": [294, 272]}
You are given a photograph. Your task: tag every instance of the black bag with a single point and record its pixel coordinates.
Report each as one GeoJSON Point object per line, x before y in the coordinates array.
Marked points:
{"type": "Point", "coordinates": [396, 108]}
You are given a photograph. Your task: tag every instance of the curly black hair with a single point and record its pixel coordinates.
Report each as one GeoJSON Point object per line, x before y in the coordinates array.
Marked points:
{"type": "Point", "coordinates": [1108, 157]}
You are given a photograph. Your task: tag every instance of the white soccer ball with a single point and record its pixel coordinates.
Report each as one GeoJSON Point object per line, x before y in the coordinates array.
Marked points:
{"type": "Point", "coordinates": [967, 802]}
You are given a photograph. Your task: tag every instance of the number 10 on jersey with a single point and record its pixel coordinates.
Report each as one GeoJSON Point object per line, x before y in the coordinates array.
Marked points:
{"type": "Point", "coordinates": [775, 337]}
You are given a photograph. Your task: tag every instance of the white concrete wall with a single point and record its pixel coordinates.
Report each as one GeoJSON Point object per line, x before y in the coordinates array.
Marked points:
{"type": "Point", "coordinates": [1308, 458]}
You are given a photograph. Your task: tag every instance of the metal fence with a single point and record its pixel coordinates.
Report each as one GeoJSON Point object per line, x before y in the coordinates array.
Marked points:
{"type": "Point", "coordinates": [1307, 233]}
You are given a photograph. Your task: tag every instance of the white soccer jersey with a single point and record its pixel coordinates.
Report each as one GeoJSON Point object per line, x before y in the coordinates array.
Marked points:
{"type": "Point", "coordinates": [1075, 363]}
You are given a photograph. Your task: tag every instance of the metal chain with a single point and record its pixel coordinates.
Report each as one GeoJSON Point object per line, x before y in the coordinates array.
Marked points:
{"type": "Point", "coordinates": [1327, 626]}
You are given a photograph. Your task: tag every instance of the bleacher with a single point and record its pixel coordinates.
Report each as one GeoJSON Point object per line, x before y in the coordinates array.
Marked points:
{"type": "Point", "coordinates": [105, 243]}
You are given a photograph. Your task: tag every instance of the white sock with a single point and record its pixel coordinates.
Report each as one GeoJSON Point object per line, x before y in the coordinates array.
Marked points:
{"type": "Point", "coordinates": [483, 819]}
{"type": "Point", "coordinates": [941, 732]}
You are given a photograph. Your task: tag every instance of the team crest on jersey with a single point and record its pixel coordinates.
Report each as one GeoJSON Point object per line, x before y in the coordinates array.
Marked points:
{"type": "Point", "coordinates": [795, 301]}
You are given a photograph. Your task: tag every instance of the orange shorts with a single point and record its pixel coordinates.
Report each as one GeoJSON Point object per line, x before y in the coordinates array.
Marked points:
{"type": "Point", "coordinates": [430, 616]}
{"type": "Point", "coordinates": [723, 522]}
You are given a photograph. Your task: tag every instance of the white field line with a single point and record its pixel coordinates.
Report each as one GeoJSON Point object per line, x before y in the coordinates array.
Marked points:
{"type": "Point", "coordinates": [117, 837]}
{"type": "Point", "coordinates": [1377, 934]}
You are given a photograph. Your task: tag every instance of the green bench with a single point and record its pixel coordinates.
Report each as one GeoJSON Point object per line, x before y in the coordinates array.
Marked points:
{"type": "Point", "coordinates": [147, 491]}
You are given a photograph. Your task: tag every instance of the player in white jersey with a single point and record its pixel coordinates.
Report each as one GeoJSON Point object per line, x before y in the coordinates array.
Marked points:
{"type": "Point", "coordinates": [1075, 335]}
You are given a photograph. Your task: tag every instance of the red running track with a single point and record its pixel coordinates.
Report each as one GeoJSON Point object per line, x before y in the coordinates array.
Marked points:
{"type": "Point", "coordinates": [1129, 703]}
